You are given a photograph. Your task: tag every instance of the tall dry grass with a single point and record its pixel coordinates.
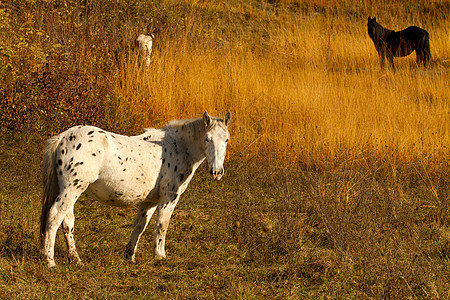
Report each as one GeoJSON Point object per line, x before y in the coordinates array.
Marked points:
{"type": "Point", "coordinates": [308, 88]}
{"type": "Point", "coordinates": [301, 78]}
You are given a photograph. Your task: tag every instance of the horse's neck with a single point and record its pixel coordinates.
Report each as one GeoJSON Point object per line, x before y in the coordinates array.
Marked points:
{"type": "Point", "coordinates": [195, 150]}
{"type": "Point", "coordinates": [192, 139]}
{"type": "Point", "coordinates": [383, 32]}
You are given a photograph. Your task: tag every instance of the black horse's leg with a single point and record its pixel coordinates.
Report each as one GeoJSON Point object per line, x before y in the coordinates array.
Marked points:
{"type": "Point", "coordinates": [420, 58]}
{"type": "Point", "coordinates": [391, 61]}
{"type": "Point", "coordinates": [381, 55]}
{"type": "Point", "coordinates": [425, 53]}
{"type": "Point", "coordinates": [427, 58]}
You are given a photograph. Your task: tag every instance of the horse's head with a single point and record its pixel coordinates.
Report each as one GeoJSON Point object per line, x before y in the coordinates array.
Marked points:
{"type": "Point", "coordinates": [215, 143]}
{"type": "Point", "coordinates": [371, 27]}
{"type": "Point", "coordinates": [144, 43]}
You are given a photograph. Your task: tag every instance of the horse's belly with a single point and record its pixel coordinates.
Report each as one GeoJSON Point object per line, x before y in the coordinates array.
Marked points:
{"type": "Point", "coordinates": [119, 194]}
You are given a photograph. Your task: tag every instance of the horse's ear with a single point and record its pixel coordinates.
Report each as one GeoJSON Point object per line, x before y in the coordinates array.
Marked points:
{"type": "Point", "coordinates": [227, 119]}
{"type": "Point", "coordinates": [206, 119]}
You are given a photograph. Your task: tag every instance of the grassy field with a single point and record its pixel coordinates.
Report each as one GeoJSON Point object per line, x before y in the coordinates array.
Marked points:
{"type": "Point", "coordinates": [337, 178]}
{"type": "Point", "coordinates": [305, 87]}
{"type": "Point", "coordinates": [375, 232]}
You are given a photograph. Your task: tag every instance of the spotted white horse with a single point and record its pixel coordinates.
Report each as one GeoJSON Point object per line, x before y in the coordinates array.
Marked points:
{"type": "Point", "coordinates": [150, 171]}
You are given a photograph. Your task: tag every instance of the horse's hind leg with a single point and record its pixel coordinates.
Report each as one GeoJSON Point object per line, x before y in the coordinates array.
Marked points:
{"type": "Point", "coordinates": [143, 216]}
{"type": "Point", "coordinates": [423, 51]}
{"type": "Point", "coordinates": [57, 213]}
{"type": "Point", "coordinates": [390, 58]}
{"type": "Point", "coordinates": [67, 226]}
{"type": "Point", "coordinates": [420, 58]}
{"type": "Point", "coordinates": [426, 56]}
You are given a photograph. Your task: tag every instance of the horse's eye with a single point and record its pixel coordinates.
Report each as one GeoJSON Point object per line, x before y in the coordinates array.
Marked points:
{"type": "Point", "coordinates": [226, 141]}
{"type": "Point", "coordinates": [207, 140]}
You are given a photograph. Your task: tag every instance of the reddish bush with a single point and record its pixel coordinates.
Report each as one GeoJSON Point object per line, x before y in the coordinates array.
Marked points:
{"type": "Point", "coordinates": [51, 101]}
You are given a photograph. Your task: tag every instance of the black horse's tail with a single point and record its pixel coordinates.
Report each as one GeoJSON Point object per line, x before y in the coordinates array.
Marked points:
{"type": "Point", "coordinates": [425, 49]}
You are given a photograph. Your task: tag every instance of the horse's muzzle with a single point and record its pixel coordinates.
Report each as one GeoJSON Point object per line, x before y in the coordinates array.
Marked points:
{"type": "Point", "coordinates": [216, 174]}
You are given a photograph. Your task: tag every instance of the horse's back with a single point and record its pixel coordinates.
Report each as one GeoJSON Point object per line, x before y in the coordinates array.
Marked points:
{"type": "Point", "coordinates": [415, 30]}
{"type": "Point", "coordinates": [82, 141]}
{"type": "Point", "coordinates": [414, 34]}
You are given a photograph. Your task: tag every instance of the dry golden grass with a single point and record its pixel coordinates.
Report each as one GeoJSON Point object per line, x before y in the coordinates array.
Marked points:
{"type": "Point", "coordinates": [309, 88]}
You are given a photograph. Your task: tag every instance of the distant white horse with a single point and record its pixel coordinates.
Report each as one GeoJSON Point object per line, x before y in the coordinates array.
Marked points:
{"type": "Point", "coordinates": [145, 44]}
{"type": "Point", "coordinates": [151, 170]}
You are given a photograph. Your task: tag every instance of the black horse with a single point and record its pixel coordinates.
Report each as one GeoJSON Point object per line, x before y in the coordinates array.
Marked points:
{"type": "Point", "coordinates": [391, 43]}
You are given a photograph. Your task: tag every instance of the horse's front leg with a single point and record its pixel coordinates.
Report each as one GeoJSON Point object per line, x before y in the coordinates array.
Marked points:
{"type": "Point", "coordinates": [165, 210]}
{"type": "Point", "coordinates": [144, 214]}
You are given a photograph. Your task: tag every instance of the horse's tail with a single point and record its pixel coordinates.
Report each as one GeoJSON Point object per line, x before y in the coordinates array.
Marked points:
{"type": "Point", "coordinates": [50, 181]}
{"type": "Point", "coordinates": [426, 52]}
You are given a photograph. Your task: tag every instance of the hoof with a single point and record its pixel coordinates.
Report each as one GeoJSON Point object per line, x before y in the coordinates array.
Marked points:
{"type": "Point", "coordinates": [79, 263]}
{"type": "Point", "coordinates": [51, 263]}
{"type": "Point", "coordinates": [131, 257]}
{"type": "Point", "coordinates": [159, 262]}
{"type": "Point", "coordinates": [159, 257]}
{"type": "Point", "coordinates": [75, 258]}
{"type": "Point", "coordinates": [131, 260]}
